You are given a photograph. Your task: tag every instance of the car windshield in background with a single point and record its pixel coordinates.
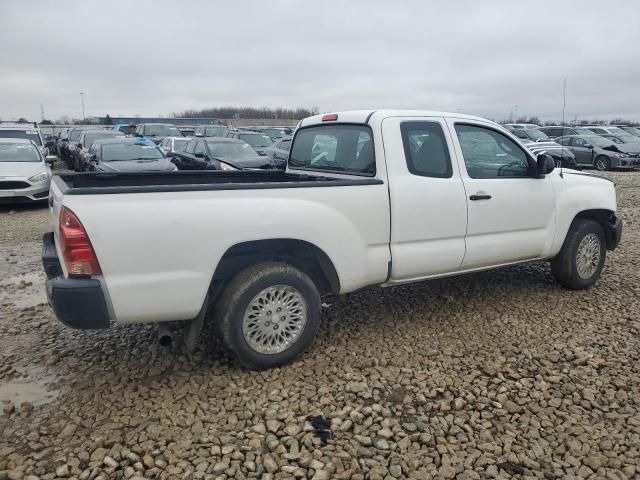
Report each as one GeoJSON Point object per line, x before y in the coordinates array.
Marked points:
{"type": "Point", "coordinates": [335, 148]}
{"type": "Point", "coordinates": [178, 145]}
{"type": "Point", "coordinates": [114, 152]}
{"type": "Point", "coordinates": [162, 131]}
{"type": "Point", "coordinates": [28, 134]}
{"type": "Point", "coordinates": [256, 140]}
{"type": "Point", "coordinates": [537, 134]}
{"type": "Point", "coordinates": [632, 130]}
{"type": "Point", "coordinates": [230, 150]}
{"type": "Point", "coordinates": [89, 138]}
{"type": "Point", "coordinates": [627, 138]}
{"type": "Point", "coordinates": [214, 131]}
{"type": "Point", "coordinates": [18, 152]}
{"type": "Point", "coordinates": [127, 129]}
{"type": "Point", "coordinates": [74, 136]}
{"type": "Point", "coordinates": [597, 140]}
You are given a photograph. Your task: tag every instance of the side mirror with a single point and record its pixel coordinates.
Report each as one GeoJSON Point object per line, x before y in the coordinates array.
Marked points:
{"type": "Point", "coordinates": [170, 154]}
{"type": "Point", "coordinates": [546, 164]}
{"type": "Point", "coordinates": [50, 160]}
{"type": "Point", "coordinates": [588, 145]}
{"type": "Point", "coordinates": [198, 155]}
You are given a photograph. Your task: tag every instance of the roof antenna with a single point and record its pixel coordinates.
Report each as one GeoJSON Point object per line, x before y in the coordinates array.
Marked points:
{"type": "Point", "coordinates": [564, 104]}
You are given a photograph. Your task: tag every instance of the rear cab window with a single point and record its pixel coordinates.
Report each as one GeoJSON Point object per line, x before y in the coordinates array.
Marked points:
{"type": "Point", "coordinates": [346, 149]}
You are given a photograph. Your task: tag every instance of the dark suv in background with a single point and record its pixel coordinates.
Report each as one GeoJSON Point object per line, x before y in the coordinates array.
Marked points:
{"type": "Point", "coordinates": [157, 131]}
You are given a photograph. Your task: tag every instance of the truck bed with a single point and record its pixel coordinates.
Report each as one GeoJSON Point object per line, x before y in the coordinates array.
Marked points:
{"type": "Point", "coordinates": [146, 182]}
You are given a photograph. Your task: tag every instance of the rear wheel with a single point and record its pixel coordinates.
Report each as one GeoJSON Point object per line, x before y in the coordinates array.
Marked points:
{"type": "Point", "coordinates": [602, 163]}
{"type": "Point", "coordinates": [580, 262]}
{"type": "Point", "coordinates": [268, 315]}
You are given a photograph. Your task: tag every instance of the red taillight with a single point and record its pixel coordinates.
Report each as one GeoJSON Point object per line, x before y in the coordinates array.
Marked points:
{"type": "Point", "coordinates": [330, 117]}
{"type": "Point", "coordinates": [77, 251]}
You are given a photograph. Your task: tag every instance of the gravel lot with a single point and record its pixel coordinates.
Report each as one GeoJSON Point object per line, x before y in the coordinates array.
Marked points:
{"type": "Point", "coordinates": [495, 375]}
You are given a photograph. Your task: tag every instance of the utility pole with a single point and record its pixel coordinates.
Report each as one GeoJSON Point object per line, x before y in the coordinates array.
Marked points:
{"type": "Point", "coordinates": [84, 118]}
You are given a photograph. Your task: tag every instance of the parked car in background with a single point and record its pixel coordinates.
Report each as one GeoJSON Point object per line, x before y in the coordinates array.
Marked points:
{"type": "Point", "coordinates": [397, 197]}
{"type": "Point", "coordinates": [598, 152]}
{"type": "Point", "coordinates": [275, 133]}
{"type": "Point", "coordinates": [279, 151]}
{"type": "Point", "coordinates": [187, 130]}
{"type": "Point", "coordinates": [67, 146]}
{"type": "Point", "coordinates": [538, 142]}
{"type": "Point", "coordinates": [127, 154]}
{"type": "Point", "coordinates": [558, 131]}
{"type": "Point", "coordinates": [29, 131]}
{"type": "Point", "coordinates": [211, 153]}
{"type": "Point", "coordinates": [600, 129]}
{"type": "Point", "coordinates": [173, 144]}
{"type": "Point", "coordinates": [157, 131]}
{"type": "Point", "coordinates": [259, 141]}
{"type": "Point", "coordinates": [127, 129]}
{"type": "Point", "coordinates": [635, 131]}
{"type": "Point", "coordinates": [521, 126]}
{"type": "Point", "coordinates": [211, 130]}
{"type": "Point", "coordinates": [25, 174]}
{"type": "Point", "coordinates": [624, 138]}
{"type": "Point", "coordinates": [86, 139]}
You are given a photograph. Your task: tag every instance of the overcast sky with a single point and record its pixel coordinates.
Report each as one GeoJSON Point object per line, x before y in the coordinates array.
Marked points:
{"type": "Point", "coordinates": [481, 57]}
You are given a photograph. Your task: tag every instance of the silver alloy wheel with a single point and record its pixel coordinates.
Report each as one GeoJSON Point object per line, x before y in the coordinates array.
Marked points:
{"type": "Point", "coordinates": [588, 256]}
{"type": "Point", "coordinates": [274, 319]}
{"type": "Point", "coordinates": [601, 164]}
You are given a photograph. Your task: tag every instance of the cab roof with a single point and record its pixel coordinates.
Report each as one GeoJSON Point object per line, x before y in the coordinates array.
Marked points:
{"type": "Point", "coordinates": [364, 116]}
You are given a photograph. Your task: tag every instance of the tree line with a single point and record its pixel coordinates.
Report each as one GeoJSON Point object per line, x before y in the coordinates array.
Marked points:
{"type": "Point", "coordinates": [230, 113]}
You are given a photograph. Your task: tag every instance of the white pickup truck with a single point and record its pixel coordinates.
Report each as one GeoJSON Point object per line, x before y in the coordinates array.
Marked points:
{"type": "Point", "coordinates": [368, 198]}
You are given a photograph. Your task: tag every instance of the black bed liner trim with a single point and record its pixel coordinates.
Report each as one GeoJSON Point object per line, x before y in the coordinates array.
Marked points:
{"type": "Point", "coordinates": [225, 181]}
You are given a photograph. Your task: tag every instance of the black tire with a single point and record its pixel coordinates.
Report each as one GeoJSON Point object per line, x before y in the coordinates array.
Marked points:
{"type": "Point", "coordinates": [239, 294]}
{"type": "Point", "coordinates": [602, 163]}
{"type": "Point", "coordinates": [564, 266]}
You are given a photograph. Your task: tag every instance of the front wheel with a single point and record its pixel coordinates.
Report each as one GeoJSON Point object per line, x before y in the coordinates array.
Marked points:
{"type": "Point", "coordinates": [602, 163]}
{"type": "Point", "coordinates": [580, 262]}
{"type": "Point", "coordinates": [268, 315]}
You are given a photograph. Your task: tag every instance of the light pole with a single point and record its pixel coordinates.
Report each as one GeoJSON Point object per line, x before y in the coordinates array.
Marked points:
{"type": "Point", "coordinates": [84, 118]}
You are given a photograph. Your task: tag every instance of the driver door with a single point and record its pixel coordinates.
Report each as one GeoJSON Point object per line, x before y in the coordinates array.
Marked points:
{"type": "Point", "coordinates": [511, 214]}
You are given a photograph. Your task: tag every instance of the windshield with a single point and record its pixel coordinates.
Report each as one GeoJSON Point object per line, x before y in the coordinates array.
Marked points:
{"type": "Point", "coordinates": [127, 129]}
{"type": "Point", "coordinates": [627, 138]}
{"type": "Point", "coordinates": [115, 152]}
{"type": "Point", "coordinates": [233, 151]}
{"type": "Point", "coordinates": [18, 152]}
{"type": "Point", "coordinates": [28, 134]}
{"type": "Point", "coordinates": [597, 140]}
{"type": "Point", "coordinates": [89, 138]}
{"type": "Point", "coordinates": [255, 139]}
{"type": "Point", "coordinates": [214, 131]}
{"type": "Point", "coordinates": [537, 134]}
{"type": "Point", "coordinates": [334, 148]}
{"type": "Point", "coordinates": [74, 136]}
{"type": "Point", "coordinates": [632, 130]}
{"type": "Point", "coordinates": [162, 131]}
{"type": "Point", "coordinates": [179, 144]}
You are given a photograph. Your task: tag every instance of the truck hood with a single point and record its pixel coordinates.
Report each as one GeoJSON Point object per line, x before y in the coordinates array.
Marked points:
{"type": "Point", "coordinates": [21, 169]}
{"type": "Point", "coordinates": [160, 165]}
{"type": "Point", "coordinates": [579, 176]}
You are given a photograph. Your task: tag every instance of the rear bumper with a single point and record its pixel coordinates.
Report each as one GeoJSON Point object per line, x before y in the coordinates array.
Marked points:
{"type": "Point", "coordinates": [613, 232]}
{"type": "Point", "coordinates": [77, 302]}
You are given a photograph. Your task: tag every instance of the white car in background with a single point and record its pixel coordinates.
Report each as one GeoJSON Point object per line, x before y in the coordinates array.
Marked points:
{"type": "Point", "coordinates": [25, 175]}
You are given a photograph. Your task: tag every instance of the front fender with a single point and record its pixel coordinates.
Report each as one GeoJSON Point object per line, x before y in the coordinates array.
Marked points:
{"type": "Point", "coordinates": [577, 193]}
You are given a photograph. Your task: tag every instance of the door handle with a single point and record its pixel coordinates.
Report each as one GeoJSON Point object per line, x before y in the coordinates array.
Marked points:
{"type": "Point", "coordinates": [480, 197]}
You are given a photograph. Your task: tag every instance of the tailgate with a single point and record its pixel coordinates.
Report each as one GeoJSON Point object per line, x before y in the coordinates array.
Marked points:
{"type": "Point", "coordinates": [56, 198]}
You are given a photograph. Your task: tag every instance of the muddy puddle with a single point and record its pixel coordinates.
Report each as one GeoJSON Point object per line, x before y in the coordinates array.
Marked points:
{"type": "Point", "coordinates": [23, 291]}
{"type": "Point", "coordinates": [31, 385]}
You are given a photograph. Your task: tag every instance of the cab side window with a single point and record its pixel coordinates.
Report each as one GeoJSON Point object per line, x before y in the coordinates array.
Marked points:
{"type": "Point", "coordinates": [488, 153]}
{"type": "Point", "coordinates": [425, 149]}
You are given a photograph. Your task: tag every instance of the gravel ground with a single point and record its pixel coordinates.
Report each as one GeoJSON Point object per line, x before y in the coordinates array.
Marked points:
{"type": "Point", "coordinates": [494, 375]}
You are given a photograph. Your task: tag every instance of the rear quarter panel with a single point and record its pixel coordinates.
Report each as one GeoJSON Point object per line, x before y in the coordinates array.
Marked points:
{"type": "Point", "coordinates": [158, 251]}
